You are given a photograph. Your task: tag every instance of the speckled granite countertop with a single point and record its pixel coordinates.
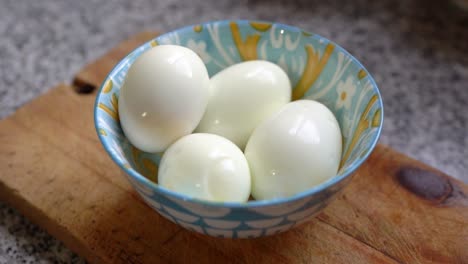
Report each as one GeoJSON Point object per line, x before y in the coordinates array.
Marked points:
{"type": "Point", "coordinates": [417, 51]}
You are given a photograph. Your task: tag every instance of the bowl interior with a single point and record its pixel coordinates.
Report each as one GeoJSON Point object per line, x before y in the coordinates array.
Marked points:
{"type": "Point", "coordinates": [318, 69]}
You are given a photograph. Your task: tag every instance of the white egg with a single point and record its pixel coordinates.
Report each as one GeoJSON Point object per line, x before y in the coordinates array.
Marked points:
{"type": "Point", "coordinates": [295, 149]}
{"type": "Point", "coordinates": [163, 98]}
{"type": "Point", "coordinates": [206, 166]}
{"type": "Point", "coordinates": [242, 96]}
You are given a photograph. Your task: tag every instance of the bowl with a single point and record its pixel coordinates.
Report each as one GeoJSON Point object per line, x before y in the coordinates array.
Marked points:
{"type": "Point", "coordinates": [318, 69]}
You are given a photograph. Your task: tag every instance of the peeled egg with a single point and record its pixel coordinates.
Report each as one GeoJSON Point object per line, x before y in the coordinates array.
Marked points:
{"type": "Point", "coordinates": [243, 95]}
{"type": "Point", "coordinates": [296, 149]}
{"type": "Point", "coordinates": [207, 167]}
{"type": "Point", "coordinates": [163, 97]}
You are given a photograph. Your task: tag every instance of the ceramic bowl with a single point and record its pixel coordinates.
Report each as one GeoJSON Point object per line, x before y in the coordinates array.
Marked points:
{"type": "Point", "coordinates": [318, 69]}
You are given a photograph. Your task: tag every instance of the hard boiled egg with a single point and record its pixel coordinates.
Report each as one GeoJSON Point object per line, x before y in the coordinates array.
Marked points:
{"type": "Point", "coordinates": [206, 166]}
{"type": "Point", "coordinates": [163, 97]}
{"type": "Point", "coordinates": [242, 96]}
{"type": "Point", "coordinates": [296, 149]}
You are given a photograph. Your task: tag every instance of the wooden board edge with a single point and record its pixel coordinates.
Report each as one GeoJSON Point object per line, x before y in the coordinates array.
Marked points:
{"type": "Point", "coordinates": [12, 198]}
{"type": "Point", "coordinates": [86, 81]}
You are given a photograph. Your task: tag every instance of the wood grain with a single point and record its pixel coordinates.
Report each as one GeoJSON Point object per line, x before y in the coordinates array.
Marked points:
{"type": "Point", "coordinates": [395, 210]}
{"type": "Point", "coordinates": [58, 175]}
{"type": "Point", "coordinates": [94, 73]}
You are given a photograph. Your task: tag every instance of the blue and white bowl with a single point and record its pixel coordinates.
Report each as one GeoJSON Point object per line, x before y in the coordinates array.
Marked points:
{"type": "Point", "coordinates": [318, 69]}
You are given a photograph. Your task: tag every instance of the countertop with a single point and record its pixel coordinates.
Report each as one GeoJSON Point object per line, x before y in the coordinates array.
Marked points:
{"type": "Point", "coordinates": [416, 50]}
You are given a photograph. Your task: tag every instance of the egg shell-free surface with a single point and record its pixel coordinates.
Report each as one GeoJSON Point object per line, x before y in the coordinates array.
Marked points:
{"type": "Point", "coordinates": [295, 149]}
{"type": "Point", "coordinates": [341, 83]}
{"type": "Point", "coordinates": [243, 95]}
{"type": "Point", "coordinates": [163, 97]}
{"type": "Point", "coordinates": [207, 167]}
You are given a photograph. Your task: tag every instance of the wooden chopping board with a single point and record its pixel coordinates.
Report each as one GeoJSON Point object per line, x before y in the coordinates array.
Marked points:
{"type": "Point", "coordinates": [54, 171]}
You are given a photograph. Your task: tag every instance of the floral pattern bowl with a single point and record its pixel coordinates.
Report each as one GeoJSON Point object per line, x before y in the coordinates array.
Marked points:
{"type": "Point", "coordinates": [318, 69]}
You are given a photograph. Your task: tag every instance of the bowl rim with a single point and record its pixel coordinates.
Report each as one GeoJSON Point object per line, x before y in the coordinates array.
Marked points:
{"type": "Point", "coordinates": [249, 204]}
